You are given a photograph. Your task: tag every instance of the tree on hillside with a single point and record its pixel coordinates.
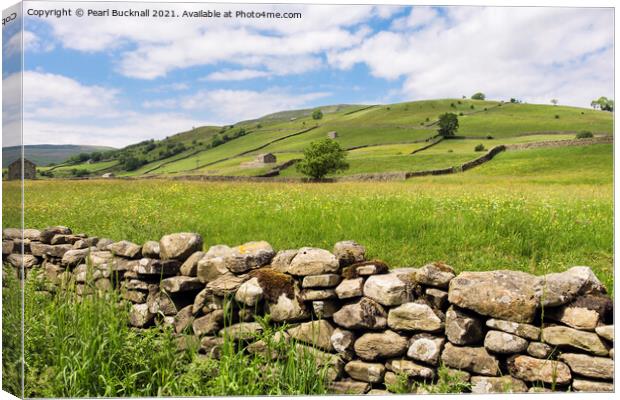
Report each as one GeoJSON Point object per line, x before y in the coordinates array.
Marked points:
{"type": "Point", "coordinates": [321, 158]}
{"type": "Point", "coordinates": [448, 124]}
{"type": "Point", "coordinates": [554, 102]}
{"type": "Point", "coordinates": [478, 96]}
{"type": "Point", "coordinates": [603, 103]}
{"type": "Point", "coordinates": [317, 114]}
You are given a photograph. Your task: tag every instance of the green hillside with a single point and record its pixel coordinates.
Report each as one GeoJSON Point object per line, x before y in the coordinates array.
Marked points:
{"type": "Point", "coordinates": [46, 154]}
{"type": "Point", "coordinates": [379, 138]}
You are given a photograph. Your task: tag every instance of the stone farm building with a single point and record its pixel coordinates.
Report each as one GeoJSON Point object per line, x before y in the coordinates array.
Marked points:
{"type": "Point", "coordinates": [15, 170]}
{"type": "Point", "coordinates": [267, 158]}
{"type": "Point", "coordinates": [332, 134]}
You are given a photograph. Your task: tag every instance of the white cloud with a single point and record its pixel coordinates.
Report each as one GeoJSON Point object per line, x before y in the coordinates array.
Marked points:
{"type": "Point", "coordinates": [61, 110]}
{"type": "Point", "coordinates": [417, 18]}
{"type": "Point", "coordinates": [230, 106]}
{"type": "Point", "coordinates": [530, 53]}
{"type": "Point", "coordinates": [150, 48]}
{"type": "Point", "coordinates": [236, 75]}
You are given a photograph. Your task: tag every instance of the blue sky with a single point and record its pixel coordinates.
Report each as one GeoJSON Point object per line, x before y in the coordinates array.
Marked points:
{"type": "Point", "coordinates": [110, 81]}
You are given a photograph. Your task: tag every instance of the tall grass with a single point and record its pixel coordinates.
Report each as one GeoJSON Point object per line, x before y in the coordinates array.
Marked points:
{"type": "Point", "coordinates": [84, 347]}
{"type": "Point", "coordinates": [480, 225]}
{"type": "Point", "coordinates": [11, 333]}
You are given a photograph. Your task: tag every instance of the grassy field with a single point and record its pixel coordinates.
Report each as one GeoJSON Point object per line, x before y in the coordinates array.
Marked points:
{"type": "Point", "coordinates": [534, 210]}
{"type": "Point", "coordinates": [391, 131]}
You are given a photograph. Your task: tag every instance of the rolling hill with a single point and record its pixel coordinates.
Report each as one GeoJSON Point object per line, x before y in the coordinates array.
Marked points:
{"type": "Point", "coordinates": [378, 138]}
{"type": "Point", "coordinates": [46, 154]}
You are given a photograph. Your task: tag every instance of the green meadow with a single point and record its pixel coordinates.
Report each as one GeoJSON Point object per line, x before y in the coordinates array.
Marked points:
{"type": "Point", "coordinates": [537, 210]}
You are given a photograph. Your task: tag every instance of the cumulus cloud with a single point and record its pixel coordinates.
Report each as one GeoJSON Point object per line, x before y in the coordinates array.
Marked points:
{"type": "Point", "coordinates": [61, 110]}
{"type": "Point", "coordinates": [530, 53]}
{"type": "Point", "coordinates": [231, 106]}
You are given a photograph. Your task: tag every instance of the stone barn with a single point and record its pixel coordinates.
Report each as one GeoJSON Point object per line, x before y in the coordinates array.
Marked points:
{"type": "Point", "coordinates": [15, 170]}
{"type": "Point", "coordinates": [332, 134]}
{"type": "Point", "coordinates": [267, 158]}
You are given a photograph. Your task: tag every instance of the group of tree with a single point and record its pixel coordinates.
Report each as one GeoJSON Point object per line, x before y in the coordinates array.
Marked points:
{"type": "Point", "coordinates": [603, 103]}
{"type": "Point", "coordinates": [323, 157]}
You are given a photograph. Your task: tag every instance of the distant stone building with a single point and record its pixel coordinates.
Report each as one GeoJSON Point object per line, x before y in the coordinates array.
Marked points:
{"type": "Point", "coordinates": [108, 175]}
{"type": "Point", "coordinates": [332, 134]}
{"type": "Point", "coordinates": [15, 170]}
{"type": "Point", "coordinates": [266, 158]}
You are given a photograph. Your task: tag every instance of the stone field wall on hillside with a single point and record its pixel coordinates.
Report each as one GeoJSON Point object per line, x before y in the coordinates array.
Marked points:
{"type": "Point", "coordinates": [371, 325]}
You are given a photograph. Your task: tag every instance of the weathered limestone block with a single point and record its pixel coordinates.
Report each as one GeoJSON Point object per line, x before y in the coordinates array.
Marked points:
{"type": "Point", "coordinates": [212, 265]}
{"type": "Point", "coordinates": [206, 298]}
{"type": "Point", "coordinates": [211, 346]}
{"type": "Point", "coordinates": [135, 296]}
{"type": "Point", "coordinates": [325, 308]}
{"type": "Point", "coordinates": [126, 249]}
{"type": "Point", "coordinates": [56, 251]}
{"type": "Point", "coordinates": [409, 368]}
{"type": "Point", "coordinates": [178, 284]}
{"type": "Point", "coordinates": [375, 346]}
{"type": "Point", "coordinates": [100, 258]}
{"type": "Point", "coordinates": [503, 384]}
{"type": "Point", "coordinates": [317, 333]}
{"type": "Point", "coordinates": [46, 235]}
{"type": "Point", "coordinates": [136, 284]}
{"type": "Point", "coordinates": [350, 288]}
{"type": "Point", "coordinates": [18, 234]}
{"type": "Point", "coordinates": [313, 261]}
{"type": "Point", "coordinates": [17, 260]}
{"type": "Point", "coordinates": [565, 336]}
{"type": "Point", "coordinates": [426, 348]}
{"type": "Point", "coordinates": [7, 247]}
{"type": "Point", "coordinates": [242, 330]}
{"type": "Point", "coordinates": [414, 317]}
{"type": "Point", "coordinates": [320, 281]}
{"type": "Point", "coordinates": [525, 331]}
{"type": "Point", "coordinates": [249, 256]}
{"type": "Point", "coordinates": [539, 350]}
{"type": "Point", "coordinates": [179, 246]}
{"type": "Point", "coordinates": [472, 359]}
{"type": "Point", "coordinates": [606, 332]}
{"type": "Point", "coordinates": [582, 385]}
{"type": "Point", "coordinates": [575, 317]}
{"type": "Point", "coordinates": [368, 268]}
{"type": "Point", "coordinates": [74, 257]}
{"type": "Point", "coordinates": [318, 294]}
{"type": "Point", "coordinates": [349, 252]}
{"type": "Point", "coordinates": [227, 284]}
{"type": "Point", "coordinates": [458, 375]}
{"type": "Point", "coordinates": [104, 244]}
{"type": "Point", "coordinates": [250, 292]}
{"type": "Point", "coordinates": [282, 260]}
{"type": "Point", "coordinates": [388, 289]}
{"type": "Point", "coordinates": [364, 313]}
{"type": "Point", "coordinates": [588, 366]}
{"type": "Point", "coordinates": [209, 324]}
{"type": "Point", "coordinates": [52, 272]}
{"type": "Point", "coordinates": [435, 274]}
{"type": "Point", "coordinates": [437, 298]}
{"type": "Point", "coordinates": [86, 242]}
{"type": "Point", "coordinates": [287, 305]}
{"type": "Point", "coordinates": [190, 266]}
{"type": "Point", "coordinates": [140, 316]}
{"type": "Point", "coordinates": [502, 294]}
{"type": "Point", "coordinates": [563, 287]}
{"type": "Point", "coordinates": [65, 239]}
{"type": "Point", "coordinates": [168, 305]}
{"type": "Point", "coordinates": [150, 249]}
{"type": "Point", "coordinates": [342, 340]}
{"type": "Point", "coordinates": [348, 387]}
{"type": "Point", "coordinates": [532, 369]}
{"type": "Point", "coordinates": [366, 372]}
{"type": "Point", "coordinates": [462, 328]}
{"type": "Point", "coordinates": [504, 343]}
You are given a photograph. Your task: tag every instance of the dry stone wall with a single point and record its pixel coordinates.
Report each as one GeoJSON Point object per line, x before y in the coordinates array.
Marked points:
{"type": "Point", "coordinates": [370, 325]}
